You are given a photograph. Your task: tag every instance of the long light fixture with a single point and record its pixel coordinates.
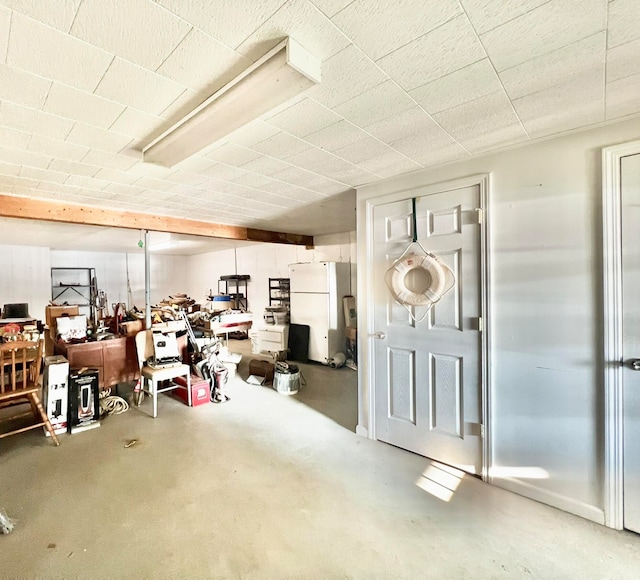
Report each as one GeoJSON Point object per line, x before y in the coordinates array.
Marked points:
{"type": "Point", "coordinates": [282, 73]}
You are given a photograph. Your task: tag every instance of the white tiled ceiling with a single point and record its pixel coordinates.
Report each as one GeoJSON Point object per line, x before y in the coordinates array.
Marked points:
{"type": "Point", "coordinates": [406, 84]}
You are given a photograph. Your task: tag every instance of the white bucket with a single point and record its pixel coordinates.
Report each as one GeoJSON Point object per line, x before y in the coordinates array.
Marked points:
{"type": "Point", "coordinates": [286, 383]}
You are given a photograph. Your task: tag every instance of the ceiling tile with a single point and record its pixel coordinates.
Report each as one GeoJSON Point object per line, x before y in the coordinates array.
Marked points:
{"type": "Point", "coordinates": [43, 175]}
{"type": "Point", "coordinates": [138, 87]}
{"type": "Point", "coordinates": [114, 26]}
{"type": "Point", "coordinates": [73, 168]}
{"type": "Point", "coordinates": [265, 165]}
{"type": "Point", "coordinates": [33, 121]}
{"type": "Point", "coordinates": [623, 60]}
{"type": "Point", "coordinates": [229, 22]}
{"type": "Point", "coordinates": [450, 47]}
{"type": "Point", "coordinates": [119, 177]}
{"type": "Point", "coordinates": [390, 164]}
{"type": "Point", "coordinates": [49, 53]}
{"type": "Point", "coordinates": [281, 146]}
{"type": "Point", "coordinates": [380, 102]}
{"type": "Point", "coordinates": [432, 149]}
{"type": "Point", "coordinates": [224, 172]}
{"type": "Point", "coordinates": [109, 160]}
{"type": "Point", "coordinates": [95, 138]}
{"type": "Point", "coordinates": [59, 16]}
{"type": "Point", "coordinates": [344, 76]}
{"type": "Point", "coordinates": [21, 87]}
{"type": "Point", "coordinates": [233, 154]}
{"type": "Point", "coordinates": [624, 22]}
{"type": "Point", "coordinates": [57, 148]}
{"type": "Point", "coordinates": [25, 184]}
{"type": "Point", "coordinates": [80, 106]}
{"type": "Point", "coordinates": [253, 133]}
{"type": "Point", "coordinates": [563, 107]}
{"type": "Point", "coordinates": [124, 188]}
{"type": "Point", "coordinates": [303, 118]}
{"type": "Point", "coordinates": [484, 123]}
{"type": "Point", "coordinates": [466, 84]}
{"type": "Point", "coordinates": [488, 14]}
{"type": "Point", "coordinates": [186, 177]}
{"type": "Point", "coordinates": [288, 190]}
{"type": "Point", "coordinates": [195, 164]}
{"type": "Point", "coordinates": [363, 150]}
{"type": "Point", "coordinates": [9, 168]}
{"type": "Point", "coordinates": [406, 123]}
{"type": "Point", "coordinates": [336, 136]}
{"type": "Point", "coordinates": [138, 125]}
{"type": "Point", "coordinates": [550, 26]}
{"type": "Point", "coordinates": [623, 97]}
{"type": "Point", "coordinates": [379, 27]}
{"type": "Point", "coordinates": [5, 25]}
{"type": "Point", "coordinates": [303, 22]}
{"type": "Point", "coordinates": [202, 63]}
{"type": "Point", "coordinates": [556, 67]}
{"type": "Point", "coordinates": [14, 139]}
{"type": "Point", "coordinates": [21, 157]}
{"type": "Point", "coordinates": [308, 180]}
{"type": "Point", "coordinates": [86, 182]}
{"type": "Point", "coordinates": [152, 183]}
{"type": "Point", "coordinates": [331, 7]}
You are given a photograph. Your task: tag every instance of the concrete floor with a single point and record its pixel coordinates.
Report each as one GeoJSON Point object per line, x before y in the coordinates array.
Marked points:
{"type": "Point", "coordinates": [270, 486]}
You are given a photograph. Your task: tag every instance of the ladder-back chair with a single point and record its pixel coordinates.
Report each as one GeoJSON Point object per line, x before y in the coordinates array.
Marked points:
{"type": "Point", "coordinates": [20, 364]}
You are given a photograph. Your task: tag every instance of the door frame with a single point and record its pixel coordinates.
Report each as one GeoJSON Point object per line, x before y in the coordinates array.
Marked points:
{"type": "Point", "coordinates": [366, 383]}
{"type": "Point", "coordinates": [612, 330]}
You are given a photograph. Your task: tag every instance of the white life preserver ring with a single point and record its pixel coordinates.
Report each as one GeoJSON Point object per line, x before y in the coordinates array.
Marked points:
{"type": "Point", "coordinates": [397, 274]}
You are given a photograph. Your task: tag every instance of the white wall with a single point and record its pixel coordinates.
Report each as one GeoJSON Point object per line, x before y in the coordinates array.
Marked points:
{"type": "Point", "coordinates": [168, 274]}
{"type": "Point", "coordinates": [25, 276]}
{"type": "Point", "coordinates": [264, 261]}
{"type": "Point", "coordinates": [546, 299]}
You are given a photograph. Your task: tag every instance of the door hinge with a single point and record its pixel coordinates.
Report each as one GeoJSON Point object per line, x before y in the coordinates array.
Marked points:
{"type": "Point", "coordinates": [480, 213]}
{"type": "Point", "coordinates": [479, 323]}
{"type": "Point", "coordinates": [481, 430]}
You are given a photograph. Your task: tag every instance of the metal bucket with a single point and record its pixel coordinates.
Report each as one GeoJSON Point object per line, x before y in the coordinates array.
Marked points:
{"type": "Point", "coordinates": [286, 383]}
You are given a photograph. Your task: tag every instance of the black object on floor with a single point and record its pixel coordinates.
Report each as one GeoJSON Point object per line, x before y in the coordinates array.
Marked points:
{"type": "Point", "coordinates": [299, 342]}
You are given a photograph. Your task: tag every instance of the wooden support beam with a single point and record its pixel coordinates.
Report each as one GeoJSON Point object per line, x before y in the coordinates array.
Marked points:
{"type": "Point", "coordinates": [37, 209]}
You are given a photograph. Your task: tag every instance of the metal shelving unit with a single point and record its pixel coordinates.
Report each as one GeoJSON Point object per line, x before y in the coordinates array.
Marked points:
{"type": "Point", "coordinates": [235, 286]}
{"type": "Point", "coordinates": [75, 286]}
{"type": "Point", "coordinates": [279, 292]}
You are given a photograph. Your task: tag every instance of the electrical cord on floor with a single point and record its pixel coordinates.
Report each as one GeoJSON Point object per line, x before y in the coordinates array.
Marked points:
{"type": "Point", "coordinates": [112, 404]}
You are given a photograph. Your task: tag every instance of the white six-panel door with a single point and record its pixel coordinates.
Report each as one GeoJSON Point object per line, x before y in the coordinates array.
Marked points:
{"type": "Point", "coordinates": [428, 375]}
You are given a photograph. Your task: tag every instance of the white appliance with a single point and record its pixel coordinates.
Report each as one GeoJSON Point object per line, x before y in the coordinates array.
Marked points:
{"type": "Point", "coordinates": [316, 296]}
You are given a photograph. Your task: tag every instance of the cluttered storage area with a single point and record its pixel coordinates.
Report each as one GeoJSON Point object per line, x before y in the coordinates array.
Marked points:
{"type": "Point", "coordinates": [86, 357]}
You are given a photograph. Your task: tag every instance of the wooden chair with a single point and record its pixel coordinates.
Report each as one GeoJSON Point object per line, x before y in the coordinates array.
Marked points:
{"type": "Point", "coordinates": [150, 377]}
{"type": "Point", "coordinates": [20, 364]}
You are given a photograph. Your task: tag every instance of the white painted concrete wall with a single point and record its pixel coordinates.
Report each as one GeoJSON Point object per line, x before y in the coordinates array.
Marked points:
{"type": "Point", "coordinates": [168, 273]}
{"type": "Point", "coordinates": [26, 277]}
{"type": "Point", "coordinates": [546, 298]}
{"type": "Point", "coordinates": [264, 261]}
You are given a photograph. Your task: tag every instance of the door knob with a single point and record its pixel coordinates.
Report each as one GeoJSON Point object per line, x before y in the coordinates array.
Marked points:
{"type": "Point", "coordinates": [382, 336]}
{"type": "Point", "coordinates": [635, 364]}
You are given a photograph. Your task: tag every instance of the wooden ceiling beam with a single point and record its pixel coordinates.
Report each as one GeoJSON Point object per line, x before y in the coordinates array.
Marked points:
{"type": "Point", "coordinates": [37, 209]}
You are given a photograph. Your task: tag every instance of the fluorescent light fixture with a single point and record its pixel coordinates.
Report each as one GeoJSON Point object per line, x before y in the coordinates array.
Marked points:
{"type": "Point", "coordinates": [282, 73]}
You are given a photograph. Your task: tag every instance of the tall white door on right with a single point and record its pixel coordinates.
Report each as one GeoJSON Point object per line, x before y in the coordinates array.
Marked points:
{"type": "Point", "coordinates": [630, 171]}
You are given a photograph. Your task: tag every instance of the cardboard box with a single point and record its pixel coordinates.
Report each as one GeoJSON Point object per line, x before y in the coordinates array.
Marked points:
{"type": "Point", "coordinates": [200, 392]}
{"type": "Point", "coordinates": [52, 312]}
{"type": "Point", "coordinates": [132, 327]}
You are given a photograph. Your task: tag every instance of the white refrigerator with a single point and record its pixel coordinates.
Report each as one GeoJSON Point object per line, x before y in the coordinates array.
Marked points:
{"type": "Point", "coordinates": [316, 296]}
